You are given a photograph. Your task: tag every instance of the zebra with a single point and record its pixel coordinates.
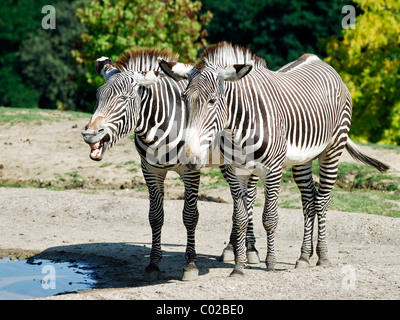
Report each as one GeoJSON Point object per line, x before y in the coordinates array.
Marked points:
{"type": "Point", "coordinates": [137, 97]}
{"type": "Point", "coordinates": [289, 117]}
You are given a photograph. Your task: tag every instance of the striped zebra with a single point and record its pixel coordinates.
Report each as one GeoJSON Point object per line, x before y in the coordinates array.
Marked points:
{"type": "Point", "coordinates": [290, 117]}
{"type": "Point", "coordinates": [136, 97]}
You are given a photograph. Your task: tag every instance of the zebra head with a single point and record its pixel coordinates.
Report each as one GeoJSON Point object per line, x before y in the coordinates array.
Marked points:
{"type": "Point", "coordinates": [117, 107]}
{"type": "Point", "coordinates": [206, 103]}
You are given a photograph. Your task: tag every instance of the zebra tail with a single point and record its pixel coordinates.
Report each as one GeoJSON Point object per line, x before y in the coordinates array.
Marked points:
{"type": "Point", "coordinates": [352, 149]}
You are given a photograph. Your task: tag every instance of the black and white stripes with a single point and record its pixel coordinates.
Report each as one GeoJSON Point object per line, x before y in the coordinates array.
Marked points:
{"type": "Point", "coordinates": [290, 117]}
{"type": "Point", "coordinates": [136, 97]}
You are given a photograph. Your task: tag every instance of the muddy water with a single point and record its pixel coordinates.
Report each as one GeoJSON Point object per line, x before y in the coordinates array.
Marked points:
{"type": "Point", "coordinates": [26, 279]}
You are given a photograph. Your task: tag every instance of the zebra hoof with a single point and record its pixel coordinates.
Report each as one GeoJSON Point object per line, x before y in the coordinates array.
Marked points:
{"type": "Point", "coordinates": [152, 273]}
{"type": "Point", "coordinates": [190, 272]}
{"type": "Point", "coordinates": [302, 264]}
{"type": "Point", "coordinates": [190, 275]}
{"type": "Point", "coordinates": [253, 257]}
{"type": "Point", "coordinates": [270, 268]}
{"type": "Point", "coordinates": [228, 255]}
{"type": "Point", "coordinates": [324, 262]}
{"type": "Point", "coordinates": [237, 273]}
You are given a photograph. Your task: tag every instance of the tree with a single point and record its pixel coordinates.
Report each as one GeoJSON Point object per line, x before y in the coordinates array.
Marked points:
{"type": "Point", "coordinates": [116, 26]}
{"type": "Point", "coordinates": [47, 61]}
{"type": "Point", "coordinates": [17, 20]}
{"type": "Point", "coordinates": [36, 64]}
{"type": "Point", "coordinates": [279, 31]}
{"type": "Point", "coordinates": [368, 59]}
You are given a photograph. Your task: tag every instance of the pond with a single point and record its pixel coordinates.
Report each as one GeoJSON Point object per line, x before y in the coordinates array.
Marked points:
{"type": "Point", "coordinates": [37, 278]}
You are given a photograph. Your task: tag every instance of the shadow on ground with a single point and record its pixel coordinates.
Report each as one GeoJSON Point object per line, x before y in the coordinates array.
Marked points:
{"type": "Point", "coordinates": [121, 265]}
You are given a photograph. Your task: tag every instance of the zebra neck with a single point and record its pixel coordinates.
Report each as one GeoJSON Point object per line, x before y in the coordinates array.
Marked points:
{"type": "Point", "coordinates": [161, 111]}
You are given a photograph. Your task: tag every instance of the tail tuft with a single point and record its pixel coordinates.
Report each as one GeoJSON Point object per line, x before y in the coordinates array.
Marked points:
{"type": "Point", "coordinates": [352, 149]}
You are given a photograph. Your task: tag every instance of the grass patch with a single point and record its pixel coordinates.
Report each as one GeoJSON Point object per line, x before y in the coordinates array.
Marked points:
{"type": "Point", "coordinates": [358, 189]}
{"type": "Point", "coordinates": [212, 178]}
{"type": "Point", "coordinates": [73, 178]}
{"type": "Point", "coordinates": [353, 176]}
{"type": "Point", "coordinates": [371, 202]}
{"type": "Point", "coordinates": [105, 165]}
{"type": "Point", "coordinates": [11, 116]}
{"type": "Point", "coordinates": [132, 166]}
{"type": "Point", "coordinates": [363, 201]}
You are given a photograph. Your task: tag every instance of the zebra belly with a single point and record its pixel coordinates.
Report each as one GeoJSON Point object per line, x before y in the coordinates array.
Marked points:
{"type": "Point", "coordinates": [300, 155]}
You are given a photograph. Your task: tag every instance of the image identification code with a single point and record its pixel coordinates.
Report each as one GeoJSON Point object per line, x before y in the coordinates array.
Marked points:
{"type": "Point", "coordinates": [209, 309]}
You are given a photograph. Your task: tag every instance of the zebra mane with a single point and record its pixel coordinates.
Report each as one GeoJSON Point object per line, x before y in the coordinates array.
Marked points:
{"type": "Point", "coordinates": [224, 54]}
{"type": "Point", "coordinates": [144, 59]}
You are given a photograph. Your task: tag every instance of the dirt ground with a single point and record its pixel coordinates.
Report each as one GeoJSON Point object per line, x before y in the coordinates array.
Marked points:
{"type": "Point", "coordinates": [100, 215]}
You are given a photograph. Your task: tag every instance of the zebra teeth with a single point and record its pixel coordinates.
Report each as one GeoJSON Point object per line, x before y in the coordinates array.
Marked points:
{"type": "Point", "coordinates": [96, 145]}
{"type": "Point", "coordinates": [98, 149]}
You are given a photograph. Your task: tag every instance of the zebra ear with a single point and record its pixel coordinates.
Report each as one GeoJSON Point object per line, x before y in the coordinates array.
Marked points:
{"type": "Point", "coordinates": [105, 67]}
{"type": "Point", "coordinates": [176, 70]}
{"type": "Point", "coordinates": [236, 71]}
{"type": "Point", "coordinates": [146, 78]}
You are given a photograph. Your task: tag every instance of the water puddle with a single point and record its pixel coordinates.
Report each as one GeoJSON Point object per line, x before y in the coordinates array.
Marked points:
{"type": "Point", "coordinates": [37, 278]}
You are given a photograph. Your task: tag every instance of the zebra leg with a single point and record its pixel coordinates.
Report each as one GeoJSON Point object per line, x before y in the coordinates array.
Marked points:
{"type": "Point", "coordinates": [302, 175]}
{"type": "Point", "coordinates": [328, 165]}
{"type": "Point", "coordinates": [228, 254]}
{"type": "Point", "coordinates": [270, 214]}
{"type": "Point", "coordinates": [252, 253]}
{"type": "Point", "coordinates": [191, 180]}
{"type": "Point", "coordinates": [155, 183]}
{"type": "Point", "coordinates": [240, 218]}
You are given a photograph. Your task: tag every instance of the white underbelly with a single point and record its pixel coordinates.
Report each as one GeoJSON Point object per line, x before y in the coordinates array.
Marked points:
{"type": "Point", "coordinates": [300, 155]}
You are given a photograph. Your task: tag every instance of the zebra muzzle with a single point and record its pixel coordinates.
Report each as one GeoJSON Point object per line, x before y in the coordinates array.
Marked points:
{"type": "Point", "coordinates": [99, 148]}
{"type": "Point", "coordinates": [98, 142]}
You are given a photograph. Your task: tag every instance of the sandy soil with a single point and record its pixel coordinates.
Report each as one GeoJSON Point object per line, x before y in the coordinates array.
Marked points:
{"type": "Point", "coordinates": [103, 219]}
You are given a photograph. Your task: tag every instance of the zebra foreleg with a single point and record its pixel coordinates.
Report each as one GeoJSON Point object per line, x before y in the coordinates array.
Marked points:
{"type": "Point", "coordinates": [191, 180]}
{"type": "Point", "coordinates": [155, 183]}
{"type": "Point", "coordinates": [240, 223]}
{"type": "Point", "coordinates": [270, 214]}
{"type": "Point", "coordinates": [228, 254]}
{"type": "Point", "coordinates": [302, 175]}
{"type": "Point", "coordinates": [240, 219]}
{"type": "Point", "coordinates": [251, 251]}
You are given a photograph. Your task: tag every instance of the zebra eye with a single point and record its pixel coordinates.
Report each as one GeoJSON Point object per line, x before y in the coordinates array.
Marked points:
{"type": "Point", "coordinates": [212, 101]}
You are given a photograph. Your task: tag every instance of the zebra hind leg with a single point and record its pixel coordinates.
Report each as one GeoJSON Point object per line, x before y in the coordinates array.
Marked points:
{"type": "Point", "coordinates": [302, 175]}
{"type": "Point", "coordinates": [191, 180]}
{"type": "Point", "coordinates": [328, 164]}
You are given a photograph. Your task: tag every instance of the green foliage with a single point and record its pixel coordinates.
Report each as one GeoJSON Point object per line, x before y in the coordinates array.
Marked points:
{"type": "Point", "coordinates": [14, 92]}
{"type": "Point", "coordinates": [47, 61]}
{"type": "Point", "coordinates": [280, 31]}
{"type": "Point", "coordinates": [116, 26]}
{"type": "Point", "coordinates": [17, 20]}
{"type": "Point", "coordinates": [368, 59]}
{"type": "Point", "coordinates": [37, 63]}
